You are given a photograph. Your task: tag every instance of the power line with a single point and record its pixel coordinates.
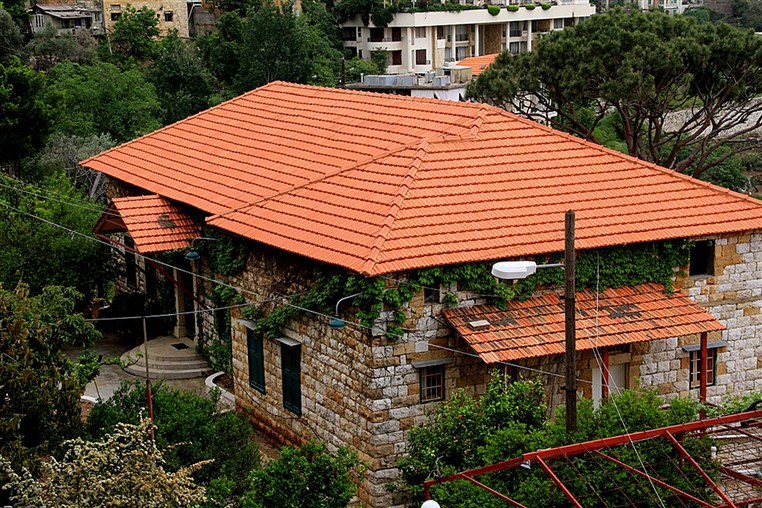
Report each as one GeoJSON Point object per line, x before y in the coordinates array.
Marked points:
{"type": "Point", "coordinates": [47, 197]}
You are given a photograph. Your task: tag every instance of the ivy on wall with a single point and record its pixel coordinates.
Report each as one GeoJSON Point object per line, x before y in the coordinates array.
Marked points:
{"type": "Point", "coordinates": [227, 254]}
{"type": "Point", "coordinates": [602, 268]}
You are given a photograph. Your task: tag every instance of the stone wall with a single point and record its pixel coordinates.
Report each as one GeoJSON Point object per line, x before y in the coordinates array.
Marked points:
{"type": "Point", "coordinates": [734, 296]}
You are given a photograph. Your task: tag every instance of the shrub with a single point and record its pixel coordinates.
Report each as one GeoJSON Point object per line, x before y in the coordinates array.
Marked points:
{"type": "Point", "coordinates": [529, 7]}
{"type": "Point", "coordinates": [306, 477]}
{"type": "Point", "coordinates": [545, 6]}
{"type": "Point", "coordinates": [183, 417]}
{"type": "Point", "coordinates": [493, 9]}
{"type": "Point", "coordinates": [512, 8]}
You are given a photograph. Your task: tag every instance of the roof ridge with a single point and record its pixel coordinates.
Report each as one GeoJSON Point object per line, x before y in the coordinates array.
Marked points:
{"type": "Point", "coordinates": [396, 205]}
{"type": "Point", "coordinates": [179, 122]}
{"type": "Point", "coordinates": [670, 172]}
{"type": "Point", "coordinates": [353, 165]}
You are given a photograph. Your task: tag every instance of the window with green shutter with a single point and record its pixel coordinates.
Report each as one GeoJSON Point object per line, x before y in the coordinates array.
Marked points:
{"type": "Point", "coordinates": [256, 360]}
{"type": "Point", "coordinates": [292, 373]}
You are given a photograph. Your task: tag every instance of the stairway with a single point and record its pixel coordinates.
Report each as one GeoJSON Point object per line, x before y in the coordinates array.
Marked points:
{"type": "Point", "coordinates": [168, 358]}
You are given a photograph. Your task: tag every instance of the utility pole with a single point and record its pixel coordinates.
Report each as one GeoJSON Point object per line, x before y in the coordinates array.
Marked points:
{"type": "Point", "coordinates": [570, 296]}
{"type": "Point", "coordinates": [148, 379]}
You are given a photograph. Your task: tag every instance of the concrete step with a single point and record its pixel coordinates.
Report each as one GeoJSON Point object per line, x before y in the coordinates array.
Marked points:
{"type": "Point", "coordinates": [168, 374]}
{"type": "Point", "coordinates": [166, 361]}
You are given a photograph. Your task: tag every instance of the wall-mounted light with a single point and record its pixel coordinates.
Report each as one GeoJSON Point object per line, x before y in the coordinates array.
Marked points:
{"type": "Point", "coordinates": [193, 254]}
{"type": "Point", "coordinates": [336, 323]}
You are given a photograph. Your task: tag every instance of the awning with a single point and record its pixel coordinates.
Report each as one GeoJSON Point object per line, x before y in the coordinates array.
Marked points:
{"type": "Point", "coordinates": [535, 327]}
{"type": "Point", "coordinates": [154, 224]}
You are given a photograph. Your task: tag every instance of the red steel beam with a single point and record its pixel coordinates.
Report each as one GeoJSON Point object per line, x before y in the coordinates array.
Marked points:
{"type": "Point", "coordinates": [749, 501]}
{"type": "Point", "coordinates": [741, 477]}
{"type": "Point", "coordinates": [744, 432]}
{"type": "Point", "coordinates": [692, 461]}
{"type": "Point", "coordinates": [657, 481]}
{"type": "Point", "coordinates": [495, 493]}
{"type": "Point", "coordinates": [578, 448]}
{"type": "Point", "coordinates": [559, 483]}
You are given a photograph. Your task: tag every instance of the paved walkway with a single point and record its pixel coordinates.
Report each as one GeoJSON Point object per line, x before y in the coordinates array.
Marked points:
{"type": "Point", "coordinates": [111, 376]}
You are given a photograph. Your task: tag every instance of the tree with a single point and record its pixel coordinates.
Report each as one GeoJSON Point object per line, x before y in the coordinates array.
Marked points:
{"type": "Point", "coordinates": [279, 45]}
{"type": "Point", "coordinates": [182, 84]}
{"type": "Point", "coordinates": [125, 469]}
{"type": "Point", "coordinates": [102, 98]}
{"type": "Point", "coordinates": [220, 49]}
{"type": "Point", "coordinates": [39, 386]}
{"type": "Point", "coordinates": [647, 67]}
{"type": "Point", "coordinates": [48, 47]}
{"type": "Point", "coordinates": [510, 420]}
{"type": "Point", "coordinates": [26, 111]}
{"type": "Point", "coordinates": [306, 477]}
{"type": "Point", "coordinates": [38, 252]}
{"type": "Point", "coordinates": [225, 439]}
{"type": "Point", "coordinates": [134, 34]}
{"type": "Point", "coordinates": [11, 40]}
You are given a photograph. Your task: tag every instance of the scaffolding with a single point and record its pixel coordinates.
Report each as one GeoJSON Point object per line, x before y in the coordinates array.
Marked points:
{"type": "Point", "coordinates": [714, 462]}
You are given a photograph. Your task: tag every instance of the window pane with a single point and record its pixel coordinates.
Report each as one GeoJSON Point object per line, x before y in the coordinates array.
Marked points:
{"type": "Point", "coordinates": [256, 360]}
{"type": "Point", "coordinates": [432, 383]}
{"type": "Point", "coordinates": [292, 382]}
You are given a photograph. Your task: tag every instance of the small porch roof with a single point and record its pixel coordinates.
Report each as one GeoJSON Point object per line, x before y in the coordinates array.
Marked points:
{"type": "Point", "coordinates": [536, 326]}
{"type": "Point", "coordinates": [155, 224]}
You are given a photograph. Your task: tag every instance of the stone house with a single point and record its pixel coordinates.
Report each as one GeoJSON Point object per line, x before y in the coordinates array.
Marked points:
{"type": "Point", "coordinates": [407, 201]}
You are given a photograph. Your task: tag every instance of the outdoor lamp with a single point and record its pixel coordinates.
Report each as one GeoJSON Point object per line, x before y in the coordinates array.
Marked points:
{"type": "Point", "coordinates": [192, 254]}
{"type": "Point", "coordinates": [336, 323]}
{"type": "Point", "coordinates": [430, 504]}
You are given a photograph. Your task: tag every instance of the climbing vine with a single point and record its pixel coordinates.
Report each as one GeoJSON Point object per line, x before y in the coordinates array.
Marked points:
{"type": "Point", "coordinates": [602, 268]}
{"type": "Point", "coordinates": [227, 254]}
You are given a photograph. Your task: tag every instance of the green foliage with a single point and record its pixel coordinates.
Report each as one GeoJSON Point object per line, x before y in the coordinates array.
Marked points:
{"type": "Point", "coordinates": [747, 14]}
{"type": "Point", "coordinates": [512, 7]}
{"type": "Point", "coordinates": [133, 36]}
{"type": "Point", "coordinates": [510, 420]}
{"type": "Point", "coordinates": [545, 6]}
{"type": "Point", "coordinates": [48, 47]}
{"type": "Point", "coordinates": [25, 113]}
{"type": "Point", "coordinates": [182, 84]}
{"type": "Point", "coordinates": [357, 66]}
{"type": "Point", "coordinates": [124, 469]}
{"type": "Point", "coordinates": [277, 44]}
{"type": "Point", "coordinates": [11, 39]}
{"type": "Point", "coordinates": [188, 430]}
{"type": "Point", "coordinates": [102, 98]}
{"type": "Point", "coordinates": [493, 9]}
{"type": "Point", "coordinates": [381, 13]}
{"type": "Point", "coordinates": [603, 268]}
{"type": "Point", "coordinates": [644, 66]}
{"type": "Point", "coordinates": [220, 49]}
{"type": "Point", "coordinates": [306, 477]}
{"type": "Point", "coordinates": [467, 432]}
{"type": "Point", "coordinates": [42, 254]}
{"type": "Point", "coordinates": [39, 386]}
{"type": "Point", "coordinates": [529, 7]}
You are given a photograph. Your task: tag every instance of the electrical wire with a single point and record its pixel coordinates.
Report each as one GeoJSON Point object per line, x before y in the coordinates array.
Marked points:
{"type": "Point", "coordinates": [605, 380]}
{"type": "Point", "coordinates": [47, 197]}
{"type": "Point", "coordinates": [283, 298]}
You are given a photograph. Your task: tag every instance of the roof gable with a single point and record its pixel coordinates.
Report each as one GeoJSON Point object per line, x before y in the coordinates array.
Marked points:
{"type": "Point", "coordinates": [380, 183]}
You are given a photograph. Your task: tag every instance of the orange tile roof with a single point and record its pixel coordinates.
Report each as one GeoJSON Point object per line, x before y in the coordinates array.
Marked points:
{"type": "Point", "coordinates": [382, 183]}
{"type": "Point", "coordinates": [154, 224]}
{"type": "Point", "coordinates": [478, 64]}
{"type": "Point", "coordinates": [536, 327]}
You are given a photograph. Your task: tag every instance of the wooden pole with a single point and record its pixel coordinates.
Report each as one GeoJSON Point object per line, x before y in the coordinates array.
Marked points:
{"type": "Point", "coordinates": [570, 295]}
{"type": "Point", "coordinates": [148, 379]}
{"type": "Point", "coordinates": [605, 373]}
{"type": "Point", "coordinates": [704, 370]}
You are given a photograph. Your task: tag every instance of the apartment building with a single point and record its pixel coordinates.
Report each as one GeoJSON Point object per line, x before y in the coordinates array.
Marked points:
{"type": "Point", "coordinates": [421, 41]}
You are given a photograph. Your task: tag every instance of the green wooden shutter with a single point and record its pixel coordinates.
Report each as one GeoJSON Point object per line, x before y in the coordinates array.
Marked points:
{"type": "Point", "coordinates": [256, 360]}
{"type": "Point", "coordinates": [292, 378]}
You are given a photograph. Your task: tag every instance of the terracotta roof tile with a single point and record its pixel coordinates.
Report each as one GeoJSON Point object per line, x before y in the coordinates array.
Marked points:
{"type": "Point", "coordinates": [154, 224]}
{"type": "Point", "coordinates": [536, 327]}
{"type": "Point", "coordinates": [478, 64]}
{"type": "Point", "coordinates": [379, 183]}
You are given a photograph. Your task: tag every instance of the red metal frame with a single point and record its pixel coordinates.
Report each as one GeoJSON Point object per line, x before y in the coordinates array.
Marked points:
{"type": "Point", "coordinates": [672, 434]}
